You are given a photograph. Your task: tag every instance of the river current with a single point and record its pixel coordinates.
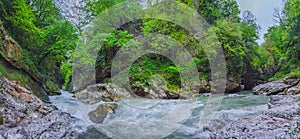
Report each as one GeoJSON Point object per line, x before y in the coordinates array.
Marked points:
{"type": "Point", "coordinates": [163, 119]}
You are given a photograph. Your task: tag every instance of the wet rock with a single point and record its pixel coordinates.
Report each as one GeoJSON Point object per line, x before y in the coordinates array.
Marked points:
{"type": "Point", "coordinates": [98, 115]}
{"type": "Point", "coordinates": [236, 95]}
{"type": "Point", "coordinates": [173, 95]}
{"type": "Point", "coordinates": [231, 86]}
{"type": "Point", "coordinates": [157, 89]}
{"type": "Point", "coordinates": [140, 90]}
{"type": "Point", "coordinates": [206, 94]}
{"type": "Point", "coordinates": [1, 118]}
{"type": "Point", "coordinates": [94, 94]}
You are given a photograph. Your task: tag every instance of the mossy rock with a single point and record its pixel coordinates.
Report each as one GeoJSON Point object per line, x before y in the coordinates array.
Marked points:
{"type": "Point", "coordinates": [98, 115]}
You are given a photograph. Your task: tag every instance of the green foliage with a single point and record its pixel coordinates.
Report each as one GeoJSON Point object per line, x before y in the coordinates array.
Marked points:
{"type": "Point", "coordinates": [295, 73]}
{"type": "Point", "coordinates": [66, 69]}
{"type": "Point", "coordinates": [237, 37]}
{"type": "Point", "coordinates": [150, 65]}
{"type": "Point", "coordinates": [282, 46]}
{"type": "Point", "coordinates": [42, 33]}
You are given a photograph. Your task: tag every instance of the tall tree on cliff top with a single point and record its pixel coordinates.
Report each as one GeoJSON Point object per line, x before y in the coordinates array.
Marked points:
{"type": "Point", "coordinates": [282, 41]}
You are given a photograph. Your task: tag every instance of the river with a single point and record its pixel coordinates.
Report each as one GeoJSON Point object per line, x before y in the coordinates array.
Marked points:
{"type": "Point", "coordinates": [140, 121]}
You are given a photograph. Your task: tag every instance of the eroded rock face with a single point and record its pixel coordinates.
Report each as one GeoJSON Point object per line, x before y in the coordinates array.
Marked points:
{"type": "Point", "coordinates": [26, 116]}
{"type": "Point", "coordinates": [287, 86]}
{"type": "Point", "coordinates": [94, 94]}
{"type": "Point", "coordinates": [156, 91]}
{"type": "Point", "coordinates": [13, 54]}
{"type": "Point", "coordinates": [204, 86]}
{"type": "Point", "coordinates": [232, 87]}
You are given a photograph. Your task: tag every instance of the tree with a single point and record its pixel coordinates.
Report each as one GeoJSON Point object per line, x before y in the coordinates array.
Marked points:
{"type": "Point", "coordinates": [39, 28]}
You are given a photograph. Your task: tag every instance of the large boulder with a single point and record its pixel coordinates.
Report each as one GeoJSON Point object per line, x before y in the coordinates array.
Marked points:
{"type": "Point", "coordinates": [271, 88]}
{"type": "Point", "coordinates": [94, 94]}
{"type": "Point", "coordinates": [98, 115]}
{"type": "Point", "coordinates": [286, 86]}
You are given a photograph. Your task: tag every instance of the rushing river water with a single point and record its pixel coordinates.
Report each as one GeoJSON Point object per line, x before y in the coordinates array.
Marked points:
{"type": "Point", "coordinates": [133, 121]}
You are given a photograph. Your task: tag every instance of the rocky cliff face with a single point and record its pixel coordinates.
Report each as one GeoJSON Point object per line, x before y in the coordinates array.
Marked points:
{"type": "Point", "coordinates": [14, 59]}
{"type": "Point", "coordinates": [23, 115]}
{"type": "Point", "coordinates": [72, 10]}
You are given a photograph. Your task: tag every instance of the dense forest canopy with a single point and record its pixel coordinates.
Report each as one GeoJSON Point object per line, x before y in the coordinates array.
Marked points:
{"type": "Point", "coordinates": [50, 40]}
{"type": "Point", "coordinates": [42, 32]}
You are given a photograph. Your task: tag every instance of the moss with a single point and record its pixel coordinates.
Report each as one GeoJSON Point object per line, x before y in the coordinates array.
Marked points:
{"type": "Point", "coordinates": [22, 77]}
{"type": "Point", "coordinates": [295, 73]}
{"type": "Point", "coordinates": [280, 75]}
{"type": "Point", "coordinates": [1, 118]}
{"type": "Point", "coordinates": [51, 86]}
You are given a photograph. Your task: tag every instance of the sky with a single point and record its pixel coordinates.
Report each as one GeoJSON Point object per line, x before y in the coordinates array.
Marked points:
{"type": "Point", "coordinates": [263, 10]}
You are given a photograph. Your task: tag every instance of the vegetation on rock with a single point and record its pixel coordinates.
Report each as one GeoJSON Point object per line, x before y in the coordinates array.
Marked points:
{"type": "Point", "coordinates": [46, 43]}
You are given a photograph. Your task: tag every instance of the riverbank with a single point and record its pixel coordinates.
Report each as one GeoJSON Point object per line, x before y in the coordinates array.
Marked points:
{"type": "Point", "coordinates": [240, 116]}
{"type": "Point", "coordinates": [23, 115]}
{"type": "Point", "coordinates": [280, 118]}
{"type": "Point", "coordinates": [277, 119]}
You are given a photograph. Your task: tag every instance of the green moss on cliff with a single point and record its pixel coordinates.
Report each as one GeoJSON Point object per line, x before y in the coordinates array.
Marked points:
{"type": "Point", "coordinates": [22, 77]}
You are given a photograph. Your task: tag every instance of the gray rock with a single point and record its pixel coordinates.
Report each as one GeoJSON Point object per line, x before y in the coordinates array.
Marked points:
{"type": "Point", "coordinates": [292, 81]}
{"type": "Point", "coordinates": [278, 121]}
{"type": "Point", "coordinates": [94, 94]}
{"type": "Point", "coordinates": [271, 88]}
{"type": "Point", "coordinates": [26, 116]}
{"type": "Point", "coordinates": [98, 115]}
{"type": "Point", "coordinates": [293, 91]}
{"type": "Point", "coordinates": [204, 86]}
{"type": "Point", "coordinates": [158, 87]}
{"type": "Point", "coordinates": [286, 86]}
